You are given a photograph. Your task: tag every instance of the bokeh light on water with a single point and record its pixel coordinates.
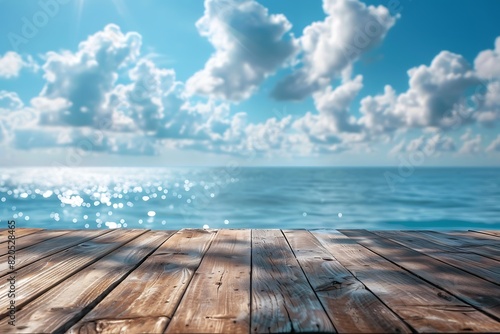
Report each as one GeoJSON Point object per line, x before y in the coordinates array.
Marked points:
{"type": "Point", "coordinates": [162, 198]}
{"type": "Point", "coordinates": [112, 197]}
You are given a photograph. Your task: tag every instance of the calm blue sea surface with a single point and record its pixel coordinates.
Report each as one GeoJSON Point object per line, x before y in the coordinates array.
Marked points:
{"type": "Point", "coordinates": [161, 198]}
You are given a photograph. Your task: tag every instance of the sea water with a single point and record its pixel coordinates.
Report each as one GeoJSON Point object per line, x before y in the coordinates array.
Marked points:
{"type": "Point", "coordinates": [233, 197]}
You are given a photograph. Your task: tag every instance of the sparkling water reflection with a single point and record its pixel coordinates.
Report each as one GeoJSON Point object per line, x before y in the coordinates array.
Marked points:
{"type": "Point", "coordinates": [159, 198]}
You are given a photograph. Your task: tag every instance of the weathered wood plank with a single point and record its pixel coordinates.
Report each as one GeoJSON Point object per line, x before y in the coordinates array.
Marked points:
{"type": "Point", "coordinates": [473, 290]}
{"type": "Point", "coordinates": [478, 246]}
{"type": "Point", "coordinates": [49, 247]}
{"type": "Point", "coordinates": [40, 276]}
{"type": "Point", "coordinates": [146, 300]}
{"type": "Point", "coordinates": [423, 306]}
{"type": "Point", "coordinates": [18, 232]}
{"type": "Point", "coordinates": [282, 299]}
{"type": "Point", "coordinates": [218, 297]}
{"type": "Point", "coordinates": [33, 239]}
{"type": "Point", "coordinates": [59, 308]}
{"type": "Point", "coordinates": [473, 263]}
{"type": "Point", "coordinates": [474, 238]}
{"type": "Point", "coordinates": [351, 307]}
{"type": "Point", "coordinates": [488, 232]}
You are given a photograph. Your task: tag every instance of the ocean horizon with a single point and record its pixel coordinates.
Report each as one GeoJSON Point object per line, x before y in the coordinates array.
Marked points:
{"type": "Point", "coordinates": [437, 198]}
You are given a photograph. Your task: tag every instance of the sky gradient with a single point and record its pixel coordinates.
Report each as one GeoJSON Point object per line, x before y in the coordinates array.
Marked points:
{"type": "Point", "coordinates": [169, 83]}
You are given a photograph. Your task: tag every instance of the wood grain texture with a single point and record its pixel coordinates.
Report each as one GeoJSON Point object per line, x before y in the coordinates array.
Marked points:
{"type": "Point", "coordinates": [489, 232]}
{"type": "Point", "coordinates": [473, 290]}
{"type": "Point", "coordinates": [19, 233]}
{"type": "Point", "coordinates": [474, 238]}
{"type": "Point", "coordinates": [49, 247]}
{"type": "Point", "coordinates": [218, 297]}
{"type": "Point", "coordinates": [477, 245]}
{"type": "Point", "coordinates": [423, 306]}
{"type": "Point", "coordinates": [238, 281]}
{"type": "Point", "coordinates": [351, 307]}
{"type": "Point", "coordinates": [40, 276]}
{"type": "Point", "coordinates": [59, 308]}
{"type": "Point", "coordinates": [147, 299]}
{"type": "Point", "coordinates": [475, 264]}
{"type": "Point", "coordinates": [33, 239]}
{"type": "Point", "coordinates": [282, 298]}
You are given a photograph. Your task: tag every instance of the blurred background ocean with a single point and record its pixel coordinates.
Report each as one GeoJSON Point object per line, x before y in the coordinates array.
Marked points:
{"type": "Point", "coordinates": [173, 198]}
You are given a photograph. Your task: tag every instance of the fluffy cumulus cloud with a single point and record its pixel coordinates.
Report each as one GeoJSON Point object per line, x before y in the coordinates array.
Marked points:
{"type": "Point", "coordinates": [106, 96]}
{"type": "Point", "coordinates": [11, 64]}
{"type": "Point", "coordinates": [487, 99]}
{"type": "Point", "coordinates": [487, 63]}
{"type": "Point", "coordinates": [155, 104]}
{"type": "Point", "coordinates": [429, 145]}
{"type": "Point", "coordinates": [267, 137]}
{"type": "Point", "coordinates": [435, 98]}
{"type": "Point", "coordinates": [139, 106]}
{"type": "Point", "coordinates": [333, 121]}
{"type": "Point", "coordinates": [73, 109]}
{"type": "Point", "coordinates": [13, 114]}
{"type": "Point", "coordinates": [334, 105]}
{"type": "Point", "coordinates": [77, 83]}
{"type": "Point", "coordinates": [250, 44]}
{"type": "Point", "coordinates": [378, 116]}
{"type": "Point", "coordinates": [487, 95]}
{"type": "Point", "coordinates": [446, 95]}
{"type": "Point", "coordinates": [331, 46]}
{"type": "Point", "coordinates": [83, 106]}
{"type": "Point", "coordinates": [436, 91]}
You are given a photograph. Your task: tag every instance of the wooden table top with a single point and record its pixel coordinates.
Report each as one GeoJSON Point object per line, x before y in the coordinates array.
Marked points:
{"type": "Point", "coordinates": [250, 281]}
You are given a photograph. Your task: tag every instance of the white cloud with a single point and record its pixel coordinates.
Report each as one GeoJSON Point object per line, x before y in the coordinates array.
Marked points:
{"type": "Point", "coordinates": [487, 62]}
{"type": "Point", "coordinates": [436, 92]}
{"type": "Point", "coordinates": [494, 146]}
{"type": "Point", "coordinates": [268, 136]}
{"type": "Point", "coordinates": [83, 141]}
{"type": "Point", "coordinates": [132, 145]}
{"type": "Point", "coordinates": [9, 101]}
{"type": "Point", "coordinates": [487, 97]}
{"type": "Point", "coordinates": [74, 109]}
{"type": "Point", "coordinates": [331, 46]}
{"type": "Point", "coordinates": [471, 144]}
{"type": "Point", "coordinates": [13, 114]}
{"type": "Point", "coordinates": [378, 115]}
{"type": "Point", "coordinates": [429, 146]}
{"type": "Point", "coordinates": [139, 105]}
{"type": "Point", "coordinates": [329, 126]}
{"type": "Point", "coordinates": [11, 64]}
{"type": "Point", "coordinates": [334, 105]}
{"type": "Point", "coordinates": [435, 98]}
{"type": "Point", "coordinates": [440, 143]}
{"type": "Point", "coordinates": [149, 85]}
{"type": "Point", "coordinates": [250, 45]}
{"type": "Point", "coordinates": [83, 107]}
{"type": "Point", "coordinates": [488, 102]}
{"type": "Point", "coordinates": [79, 82]}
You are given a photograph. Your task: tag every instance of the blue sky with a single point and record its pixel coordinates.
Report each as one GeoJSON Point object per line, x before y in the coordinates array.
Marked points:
{"type": "Point", "coordinates": [274, 82]}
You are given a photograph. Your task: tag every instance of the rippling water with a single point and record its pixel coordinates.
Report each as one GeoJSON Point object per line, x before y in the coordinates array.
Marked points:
{"type": "Point", "coordinates": [375, 198]}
